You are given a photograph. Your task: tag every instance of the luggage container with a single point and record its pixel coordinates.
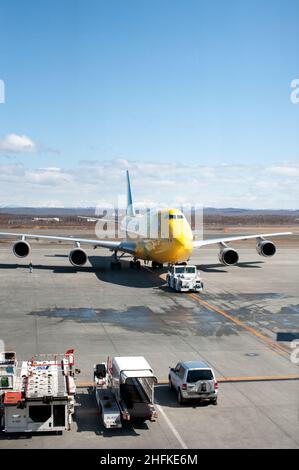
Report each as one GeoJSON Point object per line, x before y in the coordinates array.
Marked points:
{"type": "Point", "coordinates": [124, 389]}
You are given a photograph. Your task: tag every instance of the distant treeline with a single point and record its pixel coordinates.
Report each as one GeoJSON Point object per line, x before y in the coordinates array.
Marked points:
{"type": "Point", "coordinates": [269, 219]}
{"type": "Point", "coordinates": [215, 220]}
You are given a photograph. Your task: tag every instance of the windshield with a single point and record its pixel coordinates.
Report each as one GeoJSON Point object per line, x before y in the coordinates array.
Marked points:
{"type": "Point", "coordinates": [180, 270]}
{"type": "Point", "coordinates": [200, 374]}
{"type": "Point", "coordinates": [186, 270]}
{"type": "Point", "coordinates": [190, 270]}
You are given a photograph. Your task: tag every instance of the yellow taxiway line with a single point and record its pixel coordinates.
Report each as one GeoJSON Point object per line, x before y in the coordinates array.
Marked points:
{"type": "Point", "coordinates": [278, 348]}
{"type": "Point", "coordinates": [258, 378]}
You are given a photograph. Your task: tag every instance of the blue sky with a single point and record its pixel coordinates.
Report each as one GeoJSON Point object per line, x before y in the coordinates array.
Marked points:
{"type": "Point", "coordinates": [181, 92]}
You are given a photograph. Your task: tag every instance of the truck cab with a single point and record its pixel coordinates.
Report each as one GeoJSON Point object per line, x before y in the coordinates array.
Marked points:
{"type": "Point", "coordinates": [184, 278]}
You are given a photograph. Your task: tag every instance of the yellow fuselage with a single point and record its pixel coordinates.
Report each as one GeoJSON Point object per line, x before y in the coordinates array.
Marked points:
{"type": "Point", "coordinates": [173, 240]}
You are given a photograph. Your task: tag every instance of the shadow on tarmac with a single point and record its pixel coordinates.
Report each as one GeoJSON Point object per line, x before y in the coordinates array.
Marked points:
{"type": "Point", "coordinates": [47, 267]}
{"type": "Point", "coordinates": [126, 276]}
{"type": "Point", "coordinates": [100, 266]}
{"type": "Point", "coordinates": [88, 418]}
{"type": "Point", "coordinates": [220, 268]}
{"type": "Point", "coordinates": [168, 398]}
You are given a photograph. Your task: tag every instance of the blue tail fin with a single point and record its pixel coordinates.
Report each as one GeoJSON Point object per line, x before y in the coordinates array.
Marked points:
{"type": "Point", "coordinates": [130, 205]}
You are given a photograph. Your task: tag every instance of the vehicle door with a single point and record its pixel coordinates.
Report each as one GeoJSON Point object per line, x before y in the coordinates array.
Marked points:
{"type": "Point", "coordinates": [176, 376]}
{"type": "Point", "coordinates": [180, 377]}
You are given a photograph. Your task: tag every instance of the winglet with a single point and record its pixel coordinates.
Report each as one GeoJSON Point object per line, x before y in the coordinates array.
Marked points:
{"type": "Point", "coordinates": [130, 206]}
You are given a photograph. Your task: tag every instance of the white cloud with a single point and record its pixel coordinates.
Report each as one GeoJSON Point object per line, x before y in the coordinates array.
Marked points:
{"type": "Point", "coordinates": [48, 177]}
{"type": "Point", "coordinates": [243, 186]}
{"type": "Point", "coordinates": [51, 168]}
{"type": "Point", "coordinates": [14, 143]}
{"type": "Point", "coordinates": [284, 170]}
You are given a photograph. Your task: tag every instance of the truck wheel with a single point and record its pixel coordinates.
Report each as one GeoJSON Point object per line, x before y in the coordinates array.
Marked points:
{"type": "Point", "coordinates": [180, 398]}
{"type": "Point", "coordinates": [214, 401]}
{"type": "Point", "coordinates": [170, 384]}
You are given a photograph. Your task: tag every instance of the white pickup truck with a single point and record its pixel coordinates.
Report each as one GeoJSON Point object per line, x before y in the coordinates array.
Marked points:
{"type": "Point", "coordinates": [184, 278]}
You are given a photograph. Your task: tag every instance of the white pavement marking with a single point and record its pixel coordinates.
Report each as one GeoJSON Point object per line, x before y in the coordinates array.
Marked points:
{"type": "Point", "coordinates": [171, 426]}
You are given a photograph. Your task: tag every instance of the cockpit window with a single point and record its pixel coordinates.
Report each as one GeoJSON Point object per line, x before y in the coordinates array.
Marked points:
{"type": "Point", "coordinates": [176, 216]}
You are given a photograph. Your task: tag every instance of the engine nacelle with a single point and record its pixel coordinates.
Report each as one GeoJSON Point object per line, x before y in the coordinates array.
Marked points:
{"type": "Point", "coordinates": [266, 248]}
{"type": "Point", "coordinates": [77, 257]}
{"type": "Point", "coordinates": [228, 256]}
{"type": "Point", "coordinates": [21, 249]}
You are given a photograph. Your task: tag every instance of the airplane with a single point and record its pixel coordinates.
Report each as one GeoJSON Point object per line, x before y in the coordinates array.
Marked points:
{"type": "Point", "coordinates": [173, 242]}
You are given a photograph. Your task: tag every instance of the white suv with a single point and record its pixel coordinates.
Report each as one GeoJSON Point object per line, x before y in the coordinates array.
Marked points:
{"type": "Point", "coordinates": [193, 380]}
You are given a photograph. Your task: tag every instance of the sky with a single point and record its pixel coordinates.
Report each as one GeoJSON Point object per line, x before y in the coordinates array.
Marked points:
{"type": "Point", "coordinates": [192, 96]}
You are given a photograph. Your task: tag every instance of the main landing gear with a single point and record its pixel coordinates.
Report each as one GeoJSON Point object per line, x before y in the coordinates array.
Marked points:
{"type": "Point", "coordinates": [135, 264]}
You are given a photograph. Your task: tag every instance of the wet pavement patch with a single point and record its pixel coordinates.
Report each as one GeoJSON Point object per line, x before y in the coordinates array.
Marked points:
{"type": "Point", "coordinates": [248, 297]}
{"type": "Point", "coordinates": [171, 321]}
{"type": "Point", "coordinates": [84, 314]}
{"type": "Point", "coordinates": [290, 309]}
{"type": "Point", "coordinates": [261, 311]}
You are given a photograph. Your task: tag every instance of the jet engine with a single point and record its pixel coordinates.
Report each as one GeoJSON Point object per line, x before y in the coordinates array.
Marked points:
{"type": "Point", "coordinates": [228, 256]}
{"type": "Point", "coordinates": [21, 249]}
{"type": "Point", "coordinates": [266, 248]}
{"type": "Point", "coordinates": [78, 257]}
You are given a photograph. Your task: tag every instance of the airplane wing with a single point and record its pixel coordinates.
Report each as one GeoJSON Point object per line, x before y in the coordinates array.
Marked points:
{"type": "Point", "coordinates": [112, 245]}
{"type": "Point", "coordinates": [212, 241]}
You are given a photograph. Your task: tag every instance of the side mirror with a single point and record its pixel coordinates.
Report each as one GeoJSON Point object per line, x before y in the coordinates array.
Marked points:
{"type": "Point", "coordinates": [172, 369]}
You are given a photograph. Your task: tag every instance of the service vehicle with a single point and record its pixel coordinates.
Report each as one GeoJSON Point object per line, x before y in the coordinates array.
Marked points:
{"type": "Point", "coordinates": [193, 380]}
{"type": "Point", "coordinates": [40, 395]}
{"type": "Point", "coordinates": [124, 390]}
{"type": "Point", "coordinates": [184, 278]}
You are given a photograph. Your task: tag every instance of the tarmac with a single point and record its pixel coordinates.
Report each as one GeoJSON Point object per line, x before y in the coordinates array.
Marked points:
{"type": "Point", "coordinates": [241, 324]}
